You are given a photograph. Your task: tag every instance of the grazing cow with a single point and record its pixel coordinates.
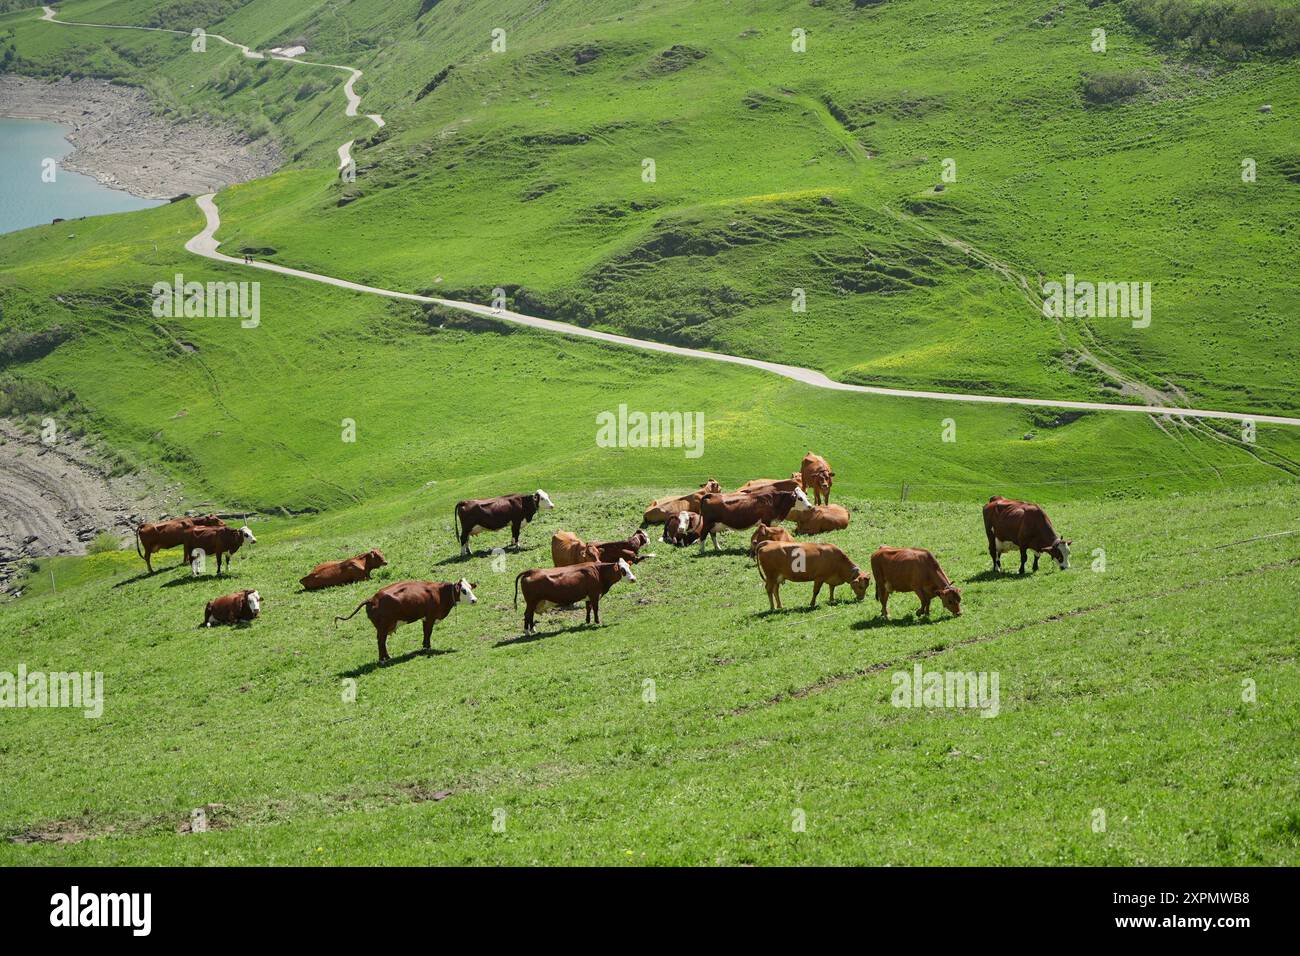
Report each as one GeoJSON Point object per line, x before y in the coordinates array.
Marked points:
{"type": "Point", "coordinates": [821, 518]}
{"type": "Point", "coordinates": [914, 570]}
{"type": "Point", "coordinates": [217, 542]}
{"type": "Point", "coordinates": [755, 485]}
{"type": "Point", "coordinates": [664, 508]}
{"type": "Point", "coordinates": [159, 535]}
{"type": "Point", "coordinates": [745, 509]}
{"type": "Point", "coordinates": [330, 573]}
{"type": "Point", "coordinates": [767, 533]}
{"type": "Point", "coordinates": [819, 563]}
{"type": "Point", "coordinates": [1012, 524]}
{"type": "Point", "coordinates": [238, 608]}
{"type": "Point", "coordinates": [477, 515]}
{"type": "Point", "coordinates": [683, 528]}
{"type": "Point", "coordinates": [556, 587]}
{"type": "Point", "coordinates": [408, 601]}
{"type": "Point", "coordinates": [567, 548]}
{"type": "Point", "coordinates": [817, 476]}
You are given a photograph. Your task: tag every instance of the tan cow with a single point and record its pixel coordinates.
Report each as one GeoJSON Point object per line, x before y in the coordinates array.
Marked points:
{"type": "Point", "coordinates": [662, 509]}
{"type": "Point", "coordinates": [567, 548]}
{"type": "Point", "coordinates": [820, 518]}
{"type": "Point", "coordinates": [766, 532]}
{"type": "Point", "coordinates": [332, 573]}
{"type": "Point", "coordinates": [808, 561]}
{"type": "Point", "coordinates": [817, 475]}
{"type": "Point", "coordinates": [758, 485]}
{"type": "Point", "coordinates": [914, 570]}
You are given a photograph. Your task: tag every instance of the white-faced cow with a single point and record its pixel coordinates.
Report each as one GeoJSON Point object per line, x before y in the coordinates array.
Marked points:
{"type": "Point", "coordinates": [557, 587]}
{"type": "Point", "coordinates": [662, 509]}
{"type": "Point", "coordinates": [1012, 525]}
{"type": "Point", "coordinates": [745, 509]}
{"type": "Point", "coordinates": [476, 515]}
{"type": "Point", "coordinates": [682, 528]}
{"type": "Point", "coordinates": [215, 542]}
{"type": "Point", "coordinates": [159, 535]}
{"type": "Point", "coordinates": [238, 608]}
{"type": "Point", "coordinates": [408, 601]}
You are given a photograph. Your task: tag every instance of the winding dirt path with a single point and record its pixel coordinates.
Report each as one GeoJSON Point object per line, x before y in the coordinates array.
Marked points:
{"type": "Point", "coordinates": [206, 244]}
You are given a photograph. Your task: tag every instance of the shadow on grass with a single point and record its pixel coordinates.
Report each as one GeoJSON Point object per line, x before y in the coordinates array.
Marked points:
{"type": "Point", "coordinates": [992, 575]}
{"type": "Point", "coordinates": [144, 576]}
{"type": "Point", "coordinates": [710, 553]}
{"type": "Point", "coordinates": [462, 558]}
{"type": "Point", "coordinates": [539, 635]}
{"type": "Point", "coordinates": [189, 579]}
{"type": "Point", "coordinates": [399, 659]}
{"type": "Point", "coordinates": [912, 620]}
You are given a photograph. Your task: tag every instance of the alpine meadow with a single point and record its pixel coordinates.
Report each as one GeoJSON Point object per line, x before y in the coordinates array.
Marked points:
{"type": "Point", "coordinates": [448, 279]}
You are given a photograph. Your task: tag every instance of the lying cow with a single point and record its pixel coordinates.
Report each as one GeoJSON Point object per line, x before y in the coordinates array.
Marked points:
{"type": "Point", "coordinates": [331, 573]}
{"type": "Point", "coordinates": [683, 528]}
{"type": "Point", "coordinates": [819, 563]}
{"type": "Point", "coordinates": [567, 548]}
{"type": "Point", "coordinates": [215, 542]}
{"type": "Point", "coordinates": [744, 510]}
{"type": "Point", "coordinates": [820, 518]}
{"type": "Point", "coordinates": [914, 570]}
{"type": "Point", "coordinates": [160, 535]}
{"type": "Point", "coordinates": [664, 508]}
{"type": "Point", "coordinates": [816, 475]}
{"type": "Point", "coordinates": [557, 587]}
{"type": "Point", "coordinates": [476, 515]}
{"type": "Point", "coordinates": [238, 608]}
{"type": "Point", "coordinates": [765, 533]}
{"type": "Point", "coordinates": [756, 485]}
{"type": "Point", "coordinates": [408, 601]}
{"type": "Point", "coordinates": [1012, 524]}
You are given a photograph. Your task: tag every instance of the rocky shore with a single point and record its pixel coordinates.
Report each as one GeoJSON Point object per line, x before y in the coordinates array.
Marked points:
{"type": "Point", "coordinates": [120, 141]}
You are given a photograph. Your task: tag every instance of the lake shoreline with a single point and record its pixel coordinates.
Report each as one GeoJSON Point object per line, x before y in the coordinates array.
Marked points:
{"type": "Point", "coordinates": [119, 141]}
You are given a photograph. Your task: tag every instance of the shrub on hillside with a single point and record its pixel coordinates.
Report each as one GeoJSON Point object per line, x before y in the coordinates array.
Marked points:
{"type": "Point", "coordinates": [1111, 86]}
{"type": "Point", "coordinates": [20, 396]}
{"type": "Point", "coordinates": [1228, 27]}
{"type": "Point", "coordinates": [103, 543]}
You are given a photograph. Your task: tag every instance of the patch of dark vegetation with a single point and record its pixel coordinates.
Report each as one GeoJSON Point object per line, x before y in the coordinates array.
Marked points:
{"type": "Point", "coordinates": [554, 139]}
{"type": "Point", "coordinates": [537, 190]}
{"type": "Point", "coordinates": [874, 272]}
{"type": "Point", "coordinates": [677, 57]}
{"type": "Point", "coordinates": [859, 4]}
{"type": "Point", "coordinates": [425, 7]}
{"type": "Point", "coordinates": [439, 78]}
{"type": "Point", "coordinates": [585, 55]}
{"type": "Point", "coordinates": [604, 212]}
{"type": "Point", "coordinates": [862, 114]}
{"type": "Point", "coordinates": [23, 396]}
{"type": "Point", "coordinates": [1230, 28]}
{"type": "Point", "coordinates": [1047, 418]}
{"type": "Point", "coordinates": [438, 318]}
{"type": "Point", "coordinates": [1290, 169]}
{"type": "Point", "coordinates": [1113, 86]}
{"type": "Point", "coordinates": [20, 346]}
{"type": "Point", "coordinates": [261, 251]}
{"type": "Point", "coordinates": [184, 14]}
{"type": "Point", "coordinates": [761, 102]}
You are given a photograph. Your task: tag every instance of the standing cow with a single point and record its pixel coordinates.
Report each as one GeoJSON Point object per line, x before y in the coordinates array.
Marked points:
{"type": "Point", "coordinates": [332, 573]}
{"type": "Point", "coordinates": [1011, 524]}
{"type": "Point", "coordinates": [238, 608]}
{"type": "Point", "coordinates": [816, 474]}
{"type": "Point", "coordinates": [915, 570]}
{"type": "Point", "coordinates": [819, 563]}
{"type": "Point", "coordinates": [408, 601]}
{"type": "Point", "coordinates": [476, 515]}
{"type": "Point", "coordinates": [556, 587]}
{"type": "Point", "coordinates": [745, 509]}
{"type": "Point", "coordinates": [159, 535]}
{"type": "Point", "coordinates": [216, 542]}
{"type": "Point", "coordinates": [764, 533]}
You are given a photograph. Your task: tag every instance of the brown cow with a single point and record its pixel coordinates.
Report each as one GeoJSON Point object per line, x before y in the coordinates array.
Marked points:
{"type": "Point", "coordinates": [1011, 524]}
{"type": "Point", "coordinates": [755, 485]}
{"type": "Point", "coordinates": [556, 587]}
{"type": "Point", "coordinates": [818, 563]}
{"type": "Point", "coordinates": [219, 542]}
{"type": "Point", "coordinates": [476, 515]}
{"type": "Point", "coordinates": [915, 570]}
{"type": "Point", "coordinates": [745, 509]}
{"type": "Point", "coordinates": [821, 518]}
{"type": "Point", "coordinates": [238, 608]}
{"type": "Point", "coordinates": [817, 475]}
{"type": "Point", "coordinates": [683, 528]}
{"type": "Point", "coordinates": [567, 548]}
{"type": "Point", "coordinates": [408, 601]}
{"type": "Point", "coordinates": [629, 548]}
{"type": "Point", "coordinates": [160, 535]}
{"type": "Point", "coordinates": [662, 509]}
{"type": "Point", "coordinates": [331, 573]}
{"type": "Point", "coordinates": [767, 533]}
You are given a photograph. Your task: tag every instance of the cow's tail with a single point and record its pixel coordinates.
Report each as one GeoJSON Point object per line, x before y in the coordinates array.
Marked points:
{"type": "Point", "coordinates": [138, 550]}
{"type": "Point", "coordinates": [354, 613]}
{"type": "Point", "coordinates": [517, 577]}
{"type": "Point", "coordinates": [455, 519]}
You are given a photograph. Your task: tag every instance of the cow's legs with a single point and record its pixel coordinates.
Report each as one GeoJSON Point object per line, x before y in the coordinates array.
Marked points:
{"type": "Point", "coordinates": [1036, 557]}
{"type": "Point", "coordinates": [594, 604]}
{"type": "Point", "coordinates": [530, 610]}
{"type": "Point", "coordinates": [817, 586]}
{"type": "Point", "coordinates": [464, 543]}
{"type": "Point", "coordinates": [925, 603]}
{"type": "Point", "coordinates": [382, 637]}
{"type": "Point", "coordinates": [705, 530]}
{"type": "Point", "coordinates": [428, 631]}
{"type": "Point", "coordinates": [149, 564]}
{"type": "Point", "coordinates": [514, 534]}
{"type": "Point", "coordinates": [831, 597]}
{"type": "Point", "coordinates": [884, 605]}
{"type": "Point", "coordinates": [994, 553]}
{"type": "Point", "coordinates": [1023, 556]}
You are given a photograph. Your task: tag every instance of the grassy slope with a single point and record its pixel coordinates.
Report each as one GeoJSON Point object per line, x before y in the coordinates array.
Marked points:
{"type": "Point", "coordinates": [1119, 690]}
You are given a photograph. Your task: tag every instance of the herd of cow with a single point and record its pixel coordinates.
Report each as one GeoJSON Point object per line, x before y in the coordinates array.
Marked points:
{"type": "Point", "coordinates": [585, 571]}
